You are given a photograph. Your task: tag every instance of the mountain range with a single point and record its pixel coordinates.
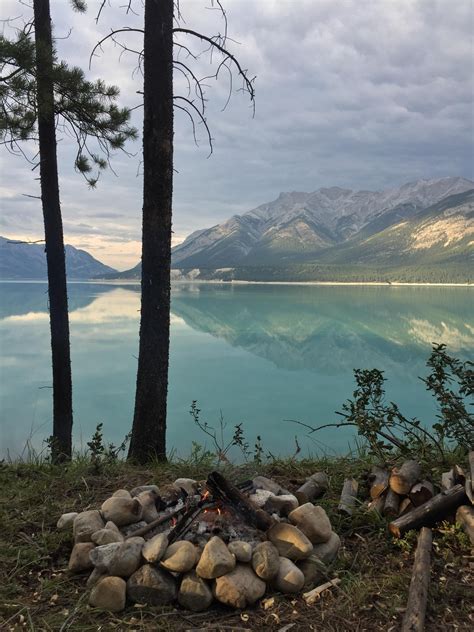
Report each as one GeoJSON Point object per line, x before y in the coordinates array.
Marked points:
{"type": "Point", "coordinates": [422, 230]}
{"type": "Point", "coordinates": [28, 261]}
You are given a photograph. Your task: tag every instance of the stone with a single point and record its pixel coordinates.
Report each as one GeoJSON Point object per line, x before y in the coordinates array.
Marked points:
{"type": "Point", "coordinates": [216, 559]}
{"type": "Point", "coordinates": [85, 524]}
{"type": "Point", "coordinates": [281, 504]}
{"type": "Point", "coordinates": [131, 528]}
{"type": "Point", "coordinates": [101, 556]}
{"type": "Point", "coordinates": [241, 550]}
{"type": "Point", "coordinates": [66, 520]}
{"type": "Point", "coordinates": [265, 560]}
{"type": "Point", "coordinates": [144, 488]}
{"type": "Point", "coordinates": [180, 557]}
{"type": "Point", "coordinates": [194, 594]}
{"type": "Point", "coordinates": [260, 497]}
{"type": "Point", "coordinates": [109, 594]}
{"type": "Point", "coordinates": [148, 500]}
{"type": "Point", "coordinates": [106, 536]}
{"type": "Point", "coordinates": [127, 558]}
{"type": "Point", "coordinates": [189, 485]}
{"type": "Point", "coordinates": [290, 541]}
{"type": "Point", "coordinates": [239, 588]}
{"type": "Point", "coordinates": [289, 579]}
{"type": "Point", "coordinates": [122, 511]}
{"type": "Point", "coordinates": [153, 586]}
{"type": "Point", "coordinates": [327, 551]}
{"type": "Point", "coordinates": [94, 577]}
{"type": "Point", "coordinates": [79, 559]}
{"type": "Point", "coordinates": [313, 522]}
{"type": "Point", "coordinates": [262, 482]}
{"type": "Point", "coordinates": [154, 549]}
{"type": "Point", "coordinates": [122, 493]}
{"type": "Point", "coordinates": [314, 570]}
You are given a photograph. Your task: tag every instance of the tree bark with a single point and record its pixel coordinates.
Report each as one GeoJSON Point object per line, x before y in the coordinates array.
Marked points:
{"type": "Point", "coordinates": [149, 422]}
{"type": "Point", "coordinates": [313, 488]}
{"type": "Point", "coordinates": [53, 230]}
{"type": "Point", "coordinates": [378, 479]}
{"type": "Point", "coordinates": [430, 512]}
{"type": "Point", "coordinates": [392, 504]}
{"type": "Point", "coordinates": [414, 619]}
{"type": "Point", "coordinates": [348, 496]}
{"type": "Point", "coordinates": [421, 492]}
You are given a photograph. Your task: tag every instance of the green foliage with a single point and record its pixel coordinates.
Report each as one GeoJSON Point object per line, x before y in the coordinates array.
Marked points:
{"type": "Point", "coordinates": [85, 110]}
{"type": "Point", "coordinates": [101, 454]}
{"type": "Point", "coordinates": [385, 428]}
{"type": "Point", "coordinates": [222, 442]}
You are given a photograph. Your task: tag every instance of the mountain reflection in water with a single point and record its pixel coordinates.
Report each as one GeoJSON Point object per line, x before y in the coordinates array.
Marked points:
{"type": "Point", "coordinates": [262, 354]}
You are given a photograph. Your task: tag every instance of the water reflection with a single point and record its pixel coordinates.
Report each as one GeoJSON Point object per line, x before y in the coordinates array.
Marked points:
{"type": "Point", "coordinates": [261, 354]}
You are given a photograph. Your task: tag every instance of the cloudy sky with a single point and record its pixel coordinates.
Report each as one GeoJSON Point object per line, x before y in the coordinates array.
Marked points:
{"type": "Point", "coordinates": [364, 94]}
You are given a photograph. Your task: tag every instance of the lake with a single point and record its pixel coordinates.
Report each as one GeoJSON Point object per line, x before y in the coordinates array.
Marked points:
{"type": "Point", "coordinates": [260, 354]}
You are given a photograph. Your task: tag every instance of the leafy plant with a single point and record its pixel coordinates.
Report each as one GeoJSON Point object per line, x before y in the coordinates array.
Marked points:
{"type": "Point", "coordinates": [102, 454]}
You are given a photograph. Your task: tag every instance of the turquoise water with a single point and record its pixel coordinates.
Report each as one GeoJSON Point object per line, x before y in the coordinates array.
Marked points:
{"type": "Point", "coordinates": [260, 354]}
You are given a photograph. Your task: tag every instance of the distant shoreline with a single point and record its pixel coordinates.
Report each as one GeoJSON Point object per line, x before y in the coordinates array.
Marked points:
{"type": "Point", "coordinates": [241, 282]}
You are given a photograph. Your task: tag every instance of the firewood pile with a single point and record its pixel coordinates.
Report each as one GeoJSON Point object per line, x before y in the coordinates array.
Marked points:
{"type": "Point", "coordinates": [197, 543]}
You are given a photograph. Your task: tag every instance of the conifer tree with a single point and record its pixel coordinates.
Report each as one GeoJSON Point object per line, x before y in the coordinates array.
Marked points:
{"type": "Point", "coordinates": [38, 94]}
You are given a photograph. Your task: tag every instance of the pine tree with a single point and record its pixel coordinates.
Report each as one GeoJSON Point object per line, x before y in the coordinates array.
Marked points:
{"type": "Point", "coordinates": [37, 96]}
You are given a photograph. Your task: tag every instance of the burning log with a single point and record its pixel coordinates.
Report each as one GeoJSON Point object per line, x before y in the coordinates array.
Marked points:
{"type": "Point", "coordinates": [421, 493]}
{"type": "Point", "coordinates": [402, 479]}
{"type": "Point", "coordinates": [155, 523]}
{"type": "Point", "coordinates": [378, 478]}
{"type": "Point", "coordinates": [465, 517]}
{"type": "Point", "coordinates": [414, 619]}
{"type": "Point", "coordinates": [392, 504]}
{"type": "Point", "coordinates": [315, 486]}
{"type": "Point", "coordinates": [430, 512]}
{"type": "Point", "coordinates": [222, 489]}
{"type": "Point", "coordinates": [348, 496]}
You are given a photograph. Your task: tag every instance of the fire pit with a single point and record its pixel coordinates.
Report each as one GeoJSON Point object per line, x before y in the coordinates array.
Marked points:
{"type": "Point", "coordinates": [198, 543]}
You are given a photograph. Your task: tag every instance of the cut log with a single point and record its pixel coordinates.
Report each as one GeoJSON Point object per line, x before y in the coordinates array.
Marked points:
{"type": "Point", "coordinates": [414, 619]}
{"type": "Point", "coordinates": [348, 496]}
{"type": "Point", "coordinates": [471, 469]}
{"type": "Point", "coordinates": [378, 504]}
{"type": "Point", "coordinates": [402, 479]}
{"type": "Point", "coordinates": [315, 486]}
{"type": "Point", "coordinates": [311, 596]}
{"type": "Point", "coordinates": [222, 489]}
{"type": "Point", "coordinates": [392, 504]}
{"type": "Point", "coordinates": [430, 512]}
{"type": "Point", "coordinates": [455, 476]}
{"type": "Point", "coordinates": [465, 518]}
{"type": "Point", "coordinates": [378, 479]}
{"type": "Point", "coordinates": [405, 506]}
{"type": "Point", "coordinates": [421, 492]}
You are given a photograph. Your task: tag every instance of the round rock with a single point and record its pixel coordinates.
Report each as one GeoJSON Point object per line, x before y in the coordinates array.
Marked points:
{"type": "Point", "coordinates": [122, 493]}
{"type": "Point", "coordinates": [216, 559]}
{"type": "Point", "coordinates": [79, 559]}
{"type": "Point", "coordinates": [289, 579]}
{"type": "Point", "coordinates": [66, 520]}
{"type": "Point", "coordinates": [313, 569]}
{"type": "Point", "coordinates": [85, 524]}
{"type": "Point", "coordinates": [313, 522]}
{"type": "Point", "coordinates": [127, 558]}
{"type": "Point", "coordinates": [194, 594]}
{"type": "Point", "coordinates": [153, 586]}
{"type": "Point", "coordinates": [239, 588]}
{"type": "Point", "coordinates": [154, 549]}
{"type": "Point", "coordinates": [328, 551]}
{"type": "Point", "coordinates": [148, 501]}
{"type": "Point", "coordinates": [101, 556]}
{"type": "Point", "coordinates": [109, 594]}
{"type": "Point", "coordinates": [241, 550]}
{"type": "Point", "coordinates": [265, 560]}
{"type": "Point", "coordinates": [106, 536]}
{"type": "Point", "coordinates": [144, 488]}
{"type": "Point", "coordinates": [180, 557]}
{"type": "Point", "coordinates": [290, 541]}
{"type": "Point", "coordinates": [121, 510]}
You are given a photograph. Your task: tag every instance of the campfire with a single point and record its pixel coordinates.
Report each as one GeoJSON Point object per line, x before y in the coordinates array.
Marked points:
{"type": "Point", "coordinates": [195, 543]}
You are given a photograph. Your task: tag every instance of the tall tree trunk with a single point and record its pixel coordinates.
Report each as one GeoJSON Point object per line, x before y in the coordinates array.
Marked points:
{"type": "Point", "coordinates": [53, 229]}
{"type": "Point", "coordinates": [149, 422]}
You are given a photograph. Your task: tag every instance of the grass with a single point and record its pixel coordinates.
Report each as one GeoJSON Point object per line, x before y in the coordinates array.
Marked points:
{"type": "Point", "coordinates": [38, 593]}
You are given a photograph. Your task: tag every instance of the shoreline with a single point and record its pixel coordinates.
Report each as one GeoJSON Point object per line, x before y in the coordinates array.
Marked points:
{"type": "Point", "coordinates": [242, 282]}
